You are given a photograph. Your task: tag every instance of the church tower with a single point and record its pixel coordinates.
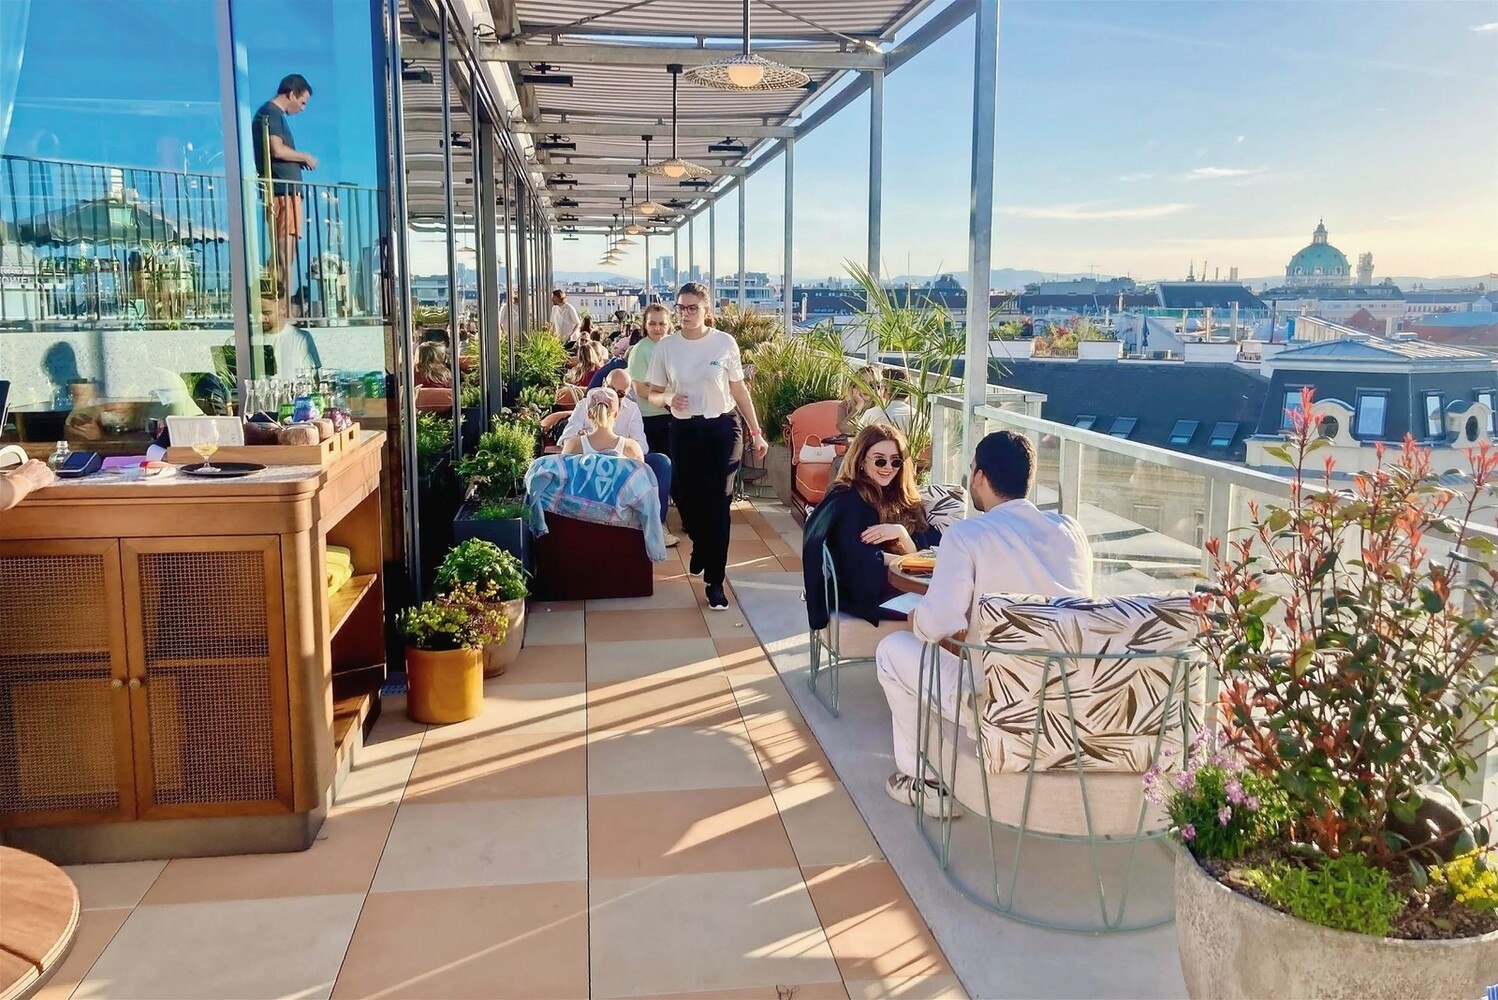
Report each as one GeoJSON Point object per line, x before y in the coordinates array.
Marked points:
{"type": "Point", "coordinates": [1365, 268]}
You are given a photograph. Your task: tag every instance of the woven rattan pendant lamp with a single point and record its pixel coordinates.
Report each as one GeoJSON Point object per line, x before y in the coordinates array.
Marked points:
{"type": "Point", "coordinates": [632, 227]}
{"type": "Point", "coordinates": [647, 207]}
{"type": "Point", "coordinates": [747, 71]}
{"type": "Point", "coordinates": [676, 168]}
{"type": "Point", "coordinates": [624, 240]}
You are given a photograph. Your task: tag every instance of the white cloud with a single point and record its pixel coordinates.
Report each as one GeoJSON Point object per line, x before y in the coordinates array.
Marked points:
{"type": "Point", "coordinates": [1216, 173]}
{"type": "Point", "coordinates": [1240, 139]}
{"type": "Point", "coordinates": [1092, 211]}
{"type": "Point", "coordinates": [1490, 26]}
{"type": "Point", "coordinates": [1138, 175]}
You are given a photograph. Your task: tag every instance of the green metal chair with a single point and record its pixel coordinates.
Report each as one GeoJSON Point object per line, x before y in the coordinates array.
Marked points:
{"type": "Point", "coordinates": [955, 752]}
{"type": "Point", "coordinates": [826, 644]}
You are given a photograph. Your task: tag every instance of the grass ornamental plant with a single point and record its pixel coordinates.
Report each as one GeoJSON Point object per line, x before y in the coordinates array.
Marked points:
{"type": "Point", "coordinates": [540, 360]}
{"type": "Point", "coordinates": [751, 328]}
{"type": "Point", "coordinates": [493, 573]}
{"type": "Point", "coordinates": [495, 470]}
{"type": "Point", "coordinates": [1354, 635]}
{"type": "Point", "coordinates": [789, 373]}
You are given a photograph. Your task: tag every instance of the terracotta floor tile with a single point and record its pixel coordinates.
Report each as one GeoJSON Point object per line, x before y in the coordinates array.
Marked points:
{"type": "Point", "coordinates": [501, 766]}
{"type": "Point", "coordinates": [917, 988]}
{"type": "Point", "coordinates": [743, 656]}
{"type": "Point", "coordinates": [454, 845]}
{"type": "Point", "coordinates": [519, 941]}
{"type": "Point", "coordinates": [519, 708]}
{"type": "Point", "coordinates": [874, 928]}
{"type": "Point", "coordinates": [778, 991]}
{"type": "Point", "coordinates": [788, 752]}
{"type": "Point", "coordinates": [790, 564]}
{"type": "Point", "coordinates": [668, 594]}
{"type": "Point", "coordinates": [702, 830]}
{"type": "Point", "coordinates": [728, 930]}
{"type": "Point", "coordinates": [243, 948]}
{"type": "Point", "coordinates": [553, 628]}
{"type": "Point", "coordinates": [559, 664]}
{"type": "Point", "coordinates": [742, 531]}
{"type": "Point", "coordinates": [671, 569]}
{"type": "Point", "coordinates": [729, 623]}
{"type": "Point", "coordinates": [744, 549]}
{"type": "Point", "coordinates": [104, 887]}
{"type": "Point", "coordinates": [341, 861]}
{"type": "Point", "coordinates": [379, 773]}
{"type": "Point", "coordinates": [658, 701]}
{"type": "Point", "coordinates": [96, 928]}
{"type": "Point", "coordinates": [659, 623]}
{"type": "Point", "coordinates": [545, 607]}
{"type": "Point", "coordinates": [670, 759]}
{"type": "Point", "coordinates": [612, 662]}
{"type": "Point", "coordinates": [824, 825]}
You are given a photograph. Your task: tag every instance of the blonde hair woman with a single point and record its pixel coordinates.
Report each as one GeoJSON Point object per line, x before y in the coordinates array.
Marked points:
{"type": "Point", "coordinates": [432, 367]}
{"type": "Point", "coordinates": [601, 438]}
{"type": "Point", "coordinates": [591, 356]}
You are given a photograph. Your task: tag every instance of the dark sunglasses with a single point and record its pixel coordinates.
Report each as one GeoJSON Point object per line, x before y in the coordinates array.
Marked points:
{"type": "Point", "coordinates": [881, 462]}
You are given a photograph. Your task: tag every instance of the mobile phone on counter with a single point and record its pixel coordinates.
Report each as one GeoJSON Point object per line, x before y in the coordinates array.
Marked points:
{"type": "Point", "coordinates": [81, 463]}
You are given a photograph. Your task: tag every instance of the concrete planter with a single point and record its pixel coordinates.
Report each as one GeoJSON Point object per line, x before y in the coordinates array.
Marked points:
{"type": "Point", "coordinates": [499, 655]}
{"type": "Point", "coordinates": [1212, 352]}
{"type": "Point", "coordinates": [778, 462]}
{"type": "Point", "coordinates": [1099, 350]}
{"type": "Point", "coordinates": [1011, 349]}
{"type": "Point", "coordinates": [1232, 947]}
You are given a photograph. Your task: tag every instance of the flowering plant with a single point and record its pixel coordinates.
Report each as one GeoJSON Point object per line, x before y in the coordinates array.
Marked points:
{"type": "Point", "coordinates": [1216, 805]}
{"type": "Point", "coordinates": [1358, 663]}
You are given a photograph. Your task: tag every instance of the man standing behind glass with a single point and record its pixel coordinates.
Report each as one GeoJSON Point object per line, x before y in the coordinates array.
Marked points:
{"type": "Point", "coordinates": [279, 162]}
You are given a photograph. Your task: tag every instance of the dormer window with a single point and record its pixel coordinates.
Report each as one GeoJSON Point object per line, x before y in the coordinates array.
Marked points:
{"type": "Point", "coordinates": [1486, 398]}
{"type": "Point", "coordinates": [1372, 415]}
{"type": "Point", "coordinates": [1435, 423]}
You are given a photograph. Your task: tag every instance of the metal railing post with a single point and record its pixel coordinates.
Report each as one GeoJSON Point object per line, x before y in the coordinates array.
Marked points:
{"type": "Point", "coordinates": [454, 346]}
{"type": "Point", "coordinates": [980, 237]}
{"type": "Point", "coordinates": [712, 248]}
{"type": "Point", "coordinates": [787, 280]}
{"type": "Point", "coordinates": [486, 226]}
{"type": "Point", "coordinates": [242, 307]}
{"type": "Point", "coordinates": [1069, 478]}
{"type": "Point", "coordinates": [876, 187]}
{"type": "Point", "coordinates": [743, 290]}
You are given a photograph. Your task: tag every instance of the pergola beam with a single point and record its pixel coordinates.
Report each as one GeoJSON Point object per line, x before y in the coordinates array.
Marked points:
{"type": "Point", "coordinates": [416, 165]}
{"type": "Point", "coordinates": [601, 54]}
{"type": "Point", "coordinates": [634, 130]}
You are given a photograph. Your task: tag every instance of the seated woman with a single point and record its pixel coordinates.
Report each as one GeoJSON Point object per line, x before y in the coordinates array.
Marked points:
{"type": "Point", "coordinates": [432, 368]}
{"type": "Point", "coordinates": [591, 356]}
{"type": "Point", "coordinates": [858, 406]}
{"type": "Point", "coordinates": [870, 516]}
{"type": "Point", "coordinates": [600, 438]}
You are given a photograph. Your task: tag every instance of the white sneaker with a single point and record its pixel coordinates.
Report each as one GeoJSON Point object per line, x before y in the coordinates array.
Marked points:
{"type": "Point", "coordinates": [671, 540]}
{"type": "Point", "coordinates": [901, 788]}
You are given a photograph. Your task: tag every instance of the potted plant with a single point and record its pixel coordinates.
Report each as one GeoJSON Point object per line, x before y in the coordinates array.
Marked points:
{"type": "Point", "coordinates": [494, 476]}
{"type": "Point", "coordinates": [1326, 852]}
{"type": "Point", "coordinates": [1009, 341]}
{"type": "Point", "coordinates": [445, 639]}
{"type": "Point", "coordinates": [1096, 344]}
{"type": "Point", "coordinates": [497, 577]}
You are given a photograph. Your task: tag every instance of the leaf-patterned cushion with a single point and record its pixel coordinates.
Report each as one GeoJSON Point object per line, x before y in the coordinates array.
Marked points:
{"type": "Point", "coordinates": [1120, 704]}
{"type": "Point", "coordinates": [943, 504]}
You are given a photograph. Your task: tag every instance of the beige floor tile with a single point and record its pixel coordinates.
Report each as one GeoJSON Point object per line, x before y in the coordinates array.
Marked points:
{"type": "Point", "coordinates": [519, 941]}
{"type": "Point", "coordinates": [730, 622]}
{"type": "Point", "coordinates": [612, 662]}
{"type": "Point", "coordinates": [341, 861]}
{"type": "Point", "coordinates": [777, 991]}
{"type": "Point", "coordinates": [728, 930]}
{"type": "Point", "coordinates": [668, 594]}
{"type": "Point", "coordinates": [788, 752]}
{"type": "Point", "coordinates": [742, 655]}
{"type": "Point", "coordinates": [917, 988]}
{"type": "Point", "coordinates": [824, 825]}
{"type": "Point", "coordinates": [658, 623]}
{"type": "Point", "coordinates": [519, 708]}
{"type": "Point", "coordinates": [501, 766]}
{"type": "Point", "coordinates": [548, 664]}
{"type": "Point", "coordinates": [702, 830]}
{"type": "Point", "coordinates": [874, 928]}
{"type": "Point", "coordinates": [662, 700]}
{"type": "Point", "coordinates": [244, 948]}
{"type": "Point", "coordinates": [742, 531]}
{"type": "Point", "coordinates": [746, 550]}
{"type": "Point", "coordinates": [454, 845]}
{"type": "Point", "coordinates": [554, 628]}
{"type": "Point", "coordinates": [790, 565]}
{"type": "Point", "coordinates": [544, 607]}
{"type": "Point", "coordinates": [96, 928]}
{"type": "Point", "coordinates": [380, 772]}
{"type": "Point", "coordinates": [104, 887]}
{"type": "Point", "coordinates": [673, 569]}
{"type": "Point", "coordinates": [670, 759]}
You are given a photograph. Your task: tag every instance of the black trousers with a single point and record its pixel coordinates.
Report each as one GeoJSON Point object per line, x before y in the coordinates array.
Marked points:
{"type": "Point", "coordinates": [658, 438]}
{"type": "Point", "coordinates": [705, 454]}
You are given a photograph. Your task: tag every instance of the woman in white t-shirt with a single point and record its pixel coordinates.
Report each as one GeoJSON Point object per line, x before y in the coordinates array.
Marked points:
{"type": "Point", "coordinates": [698, 375]}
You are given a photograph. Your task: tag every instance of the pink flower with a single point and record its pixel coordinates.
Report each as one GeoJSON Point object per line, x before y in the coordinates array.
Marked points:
{"type": "Point", "coordinates": [1252, 804]}
{"type": "Point", "coordinates": [1188, 832]}
{"type": "Point", "coordinates": [1186, 780]}
{"type": "Point", "coordinates": [1234, 790]}
{"type": "Point", "coordinates": [1224, 815]}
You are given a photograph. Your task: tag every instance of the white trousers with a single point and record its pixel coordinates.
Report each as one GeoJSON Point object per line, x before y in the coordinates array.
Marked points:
{"type": "Point", "coordinates": [898, 663]}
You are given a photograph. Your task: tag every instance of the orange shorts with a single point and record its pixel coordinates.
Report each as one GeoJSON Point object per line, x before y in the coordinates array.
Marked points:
{"type": "Point", "coordinates": [286, 212]}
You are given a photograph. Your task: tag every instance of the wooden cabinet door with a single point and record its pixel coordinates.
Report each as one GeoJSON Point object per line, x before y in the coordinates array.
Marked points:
{"type": "Point", "coordinates": [208, 688]}
{"type": "Point", "coordinates": [65, 740]}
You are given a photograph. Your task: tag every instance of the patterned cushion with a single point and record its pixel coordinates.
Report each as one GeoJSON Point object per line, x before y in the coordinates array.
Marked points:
{"type": "Point", "coordinates": [943, 504]}
{"type": "Point", "coordinates": [1119, 704]}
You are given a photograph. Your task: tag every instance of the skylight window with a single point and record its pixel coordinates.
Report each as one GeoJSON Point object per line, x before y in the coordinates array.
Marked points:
{"type": "Point", "coordinates": [1123, 427]}
{"type": "Point", "coordinates": [1085, 421]}
{"type": "Point", "coordinates": [1223, 433]}
{"type": "Point", "coordinates": [1184, 431]}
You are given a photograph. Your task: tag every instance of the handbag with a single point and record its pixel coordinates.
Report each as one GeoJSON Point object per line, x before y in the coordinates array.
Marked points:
{"type": "Point", "coordinates": [813, 452]}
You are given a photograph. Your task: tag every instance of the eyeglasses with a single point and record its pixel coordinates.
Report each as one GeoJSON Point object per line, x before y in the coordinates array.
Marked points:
{"type": "Point", "coordinates": [684, 308]}
{"type": "Point", "coordinates": [880, 462]}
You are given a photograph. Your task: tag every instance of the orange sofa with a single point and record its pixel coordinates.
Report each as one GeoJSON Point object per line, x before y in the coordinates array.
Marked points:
{"type": "Point", "coordinates": [809, 424]}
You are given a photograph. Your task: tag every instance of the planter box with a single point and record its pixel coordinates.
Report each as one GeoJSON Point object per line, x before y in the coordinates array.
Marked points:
{"type": "Point", "coordinates": [1217, 352]}
{"type": "Point", "coordinates": [509, 534]}
{"type": "Point", "coordinates": [499, 656]}
{"type": "Point", "coordinates": [1232, 947]}
{"type": "Point", "coordinates": [1099, 350]}
{"type": "Point", "coordinates": [778, 464]}
{"type": "Point", "coordinates": [1011, 349]}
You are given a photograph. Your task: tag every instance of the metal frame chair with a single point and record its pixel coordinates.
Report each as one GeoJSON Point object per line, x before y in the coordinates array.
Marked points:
{"type": "Point", "coordinates": [994, 896]}
{"type": "Point", "coordinates": [831, 647]}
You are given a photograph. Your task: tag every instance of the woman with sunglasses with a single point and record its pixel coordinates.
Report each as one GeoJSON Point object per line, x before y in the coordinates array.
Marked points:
{"type": "Point", "coordinates": [870, 516]}
{"type": "Point", "coordinates": [699, 377]}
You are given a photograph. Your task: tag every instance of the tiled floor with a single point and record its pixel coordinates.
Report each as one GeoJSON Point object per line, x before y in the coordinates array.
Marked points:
{"type": "Point", "coordinates": [641, 810]}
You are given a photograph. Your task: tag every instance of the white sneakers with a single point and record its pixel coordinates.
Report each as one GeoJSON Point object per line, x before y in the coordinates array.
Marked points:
{"type": "Point", "coordinates": [936, 802]}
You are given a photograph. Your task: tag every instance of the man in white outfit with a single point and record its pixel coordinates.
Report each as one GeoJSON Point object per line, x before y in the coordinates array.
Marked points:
{"type": "Point", "coordinates": [564, 318]}
{"type": "Point", "coordinates": [1013, 547]}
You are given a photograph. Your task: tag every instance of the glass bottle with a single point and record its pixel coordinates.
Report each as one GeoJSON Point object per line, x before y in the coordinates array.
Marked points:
{"type": "Point", "coordinates": [59, 456]}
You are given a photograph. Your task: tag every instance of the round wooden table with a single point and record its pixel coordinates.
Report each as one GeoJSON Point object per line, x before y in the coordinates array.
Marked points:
{"type": "Point", "coordinates": [40, 922]}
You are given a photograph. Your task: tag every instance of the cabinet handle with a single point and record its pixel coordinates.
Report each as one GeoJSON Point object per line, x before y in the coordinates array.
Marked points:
{"type": "Point", "coordinates": [116, 683]}
{"type": "Point", "coordinates": [135, 683]}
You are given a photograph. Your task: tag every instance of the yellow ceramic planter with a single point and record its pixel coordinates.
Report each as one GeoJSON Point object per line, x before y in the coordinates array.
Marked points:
{"type": "Point", "coordinates": [444, 685]}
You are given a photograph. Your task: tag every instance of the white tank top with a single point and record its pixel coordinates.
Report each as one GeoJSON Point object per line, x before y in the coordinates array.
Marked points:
{"type": "Point", "coordinates": [588, 448]}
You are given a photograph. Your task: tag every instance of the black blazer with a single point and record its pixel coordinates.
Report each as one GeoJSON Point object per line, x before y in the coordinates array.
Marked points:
{"type": "Point", "coordinates": [838, 521]}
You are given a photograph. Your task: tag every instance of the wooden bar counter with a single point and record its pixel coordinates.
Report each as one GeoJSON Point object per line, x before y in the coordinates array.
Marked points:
{"type": "Point", "coordinates": [175, 678]}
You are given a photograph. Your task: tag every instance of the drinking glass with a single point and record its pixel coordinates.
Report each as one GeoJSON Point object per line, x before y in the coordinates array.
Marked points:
{"type": "Point", "coordinates": [206, 444]}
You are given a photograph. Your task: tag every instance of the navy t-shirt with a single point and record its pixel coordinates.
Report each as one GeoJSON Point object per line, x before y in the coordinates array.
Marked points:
{"type": "Point", "coordinates": [613, 365]}
{"type": "Point", "coordinates": [271, 120]}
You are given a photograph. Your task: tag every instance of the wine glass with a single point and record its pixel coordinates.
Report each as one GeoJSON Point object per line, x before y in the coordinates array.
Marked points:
{"type": "Point", "coordinates": [206, 444]}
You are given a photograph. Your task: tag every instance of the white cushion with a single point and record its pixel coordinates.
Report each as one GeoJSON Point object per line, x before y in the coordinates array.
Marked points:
{"type": "Point", "coordinates": [943, 504]}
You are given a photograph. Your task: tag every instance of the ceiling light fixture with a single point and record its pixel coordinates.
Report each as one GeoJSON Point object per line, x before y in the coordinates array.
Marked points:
{"type": "Point", "coordinates": [676, 168]}
{"type": "Point", "coordinates": [556, 142]}
{"type": "Point", "coordinates": [411, 73]}
{"type": "Point", "coordinates": [647, 207]}
{"type": "Point", "coordinates": [747, 71]}
{"type": "Point", "coordinates": [542, 76]}
{"type": "Point", "coordinates": [729, 145]}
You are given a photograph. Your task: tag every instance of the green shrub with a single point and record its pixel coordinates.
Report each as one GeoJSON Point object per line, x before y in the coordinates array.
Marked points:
{"type": "Point", "coordinates": [495, 470]}
{"type": "Point", "coordinates": [1471, 879]}
{"type": "Point", "coordinates": [1216, 806]}
{"type": "Point", "coordinates": [1346, 893]}
{"type": "Point", "coordinates": [788, 374]}
{"type": "Point", "coordinates": [434, 441]}
{"type": "Point", "coordinates": [460, 619]}
{"type": "Point", "coordinates": [499, 510]}
{"type": "Point", "coordinates": [540, 360]}
{"type": "Point", "coordinates": [750, 327]}
{"type": "Point", "coordinates": [1086, 330]}
{"type": "Point", "coordinates": [495, 574]}
{"type": "Point", "coordinates": [1011, 330]}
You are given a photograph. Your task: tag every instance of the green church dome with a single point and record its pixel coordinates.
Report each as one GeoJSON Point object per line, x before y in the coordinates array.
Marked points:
{"type": "Point", "coordinates": [1319, 262]}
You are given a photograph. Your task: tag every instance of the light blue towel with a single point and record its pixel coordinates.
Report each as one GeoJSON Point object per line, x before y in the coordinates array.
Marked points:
{"type": "Point", "coordinates": [602, 489]}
